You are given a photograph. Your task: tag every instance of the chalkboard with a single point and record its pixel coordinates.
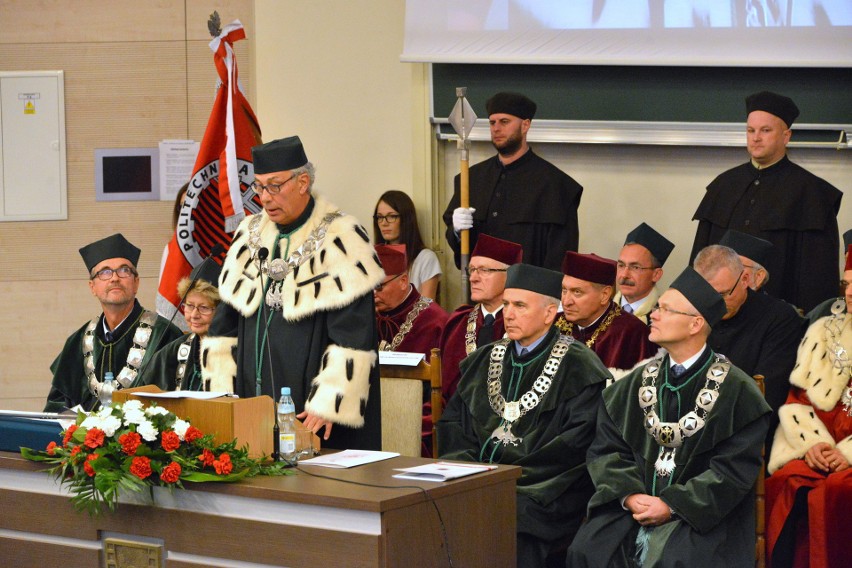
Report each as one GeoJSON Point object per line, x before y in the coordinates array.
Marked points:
{"type": "Point", "coordinates": [648, 94]}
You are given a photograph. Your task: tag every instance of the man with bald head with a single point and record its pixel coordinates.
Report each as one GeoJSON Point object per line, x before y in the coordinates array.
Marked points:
{"type": "Point", "coordinates": [772, 198]}
{"type": "Point", "coordinates": [676, 450]}
{"type": "Point", "coordinates": [530, 400]}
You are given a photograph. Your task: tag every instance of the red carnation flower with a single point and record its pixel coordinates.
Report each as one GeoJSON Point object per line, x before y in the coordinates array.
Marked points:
{"type": "Point", "coordinates": [207, 457]}
{"type": "Point", "coordinates": [170, 473]}
{"type": "Point", "coordinates": [223, 465]}
{"type": "Point", "coordinates": [68, 433]}
{"type": "Point", "coordinates": [51, 448]}
{"type": "Point", "coordinates": [94, 438]}
{"type": "Point", "coordinates": [130, 442]}
{"type": "Point", "coordinates": [169, 440]}
{"type": "Point", "coordinates": [140, 467]}
{"type": "Point", "coordinates": [88, 467]}
{"type": "Point", "coordinates": [192, 434]}
{"type": "Point", "coordinates": [76, 450]}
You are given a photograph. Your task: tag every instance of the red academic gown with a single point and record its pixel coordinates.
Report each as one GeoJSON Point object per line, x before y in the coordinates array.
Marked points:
{"type": "Point", "coordinates": [453, 349]}
{"type": "Point", "coordinates": [622, 344]}
{"type": "Point", "coordinates": [425, 334]}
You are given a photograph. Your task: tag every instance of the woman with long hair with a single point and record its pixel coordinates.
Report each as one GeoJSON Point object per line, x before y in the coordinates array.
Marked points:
{"type": "Point", "coordinates": [395, 222]}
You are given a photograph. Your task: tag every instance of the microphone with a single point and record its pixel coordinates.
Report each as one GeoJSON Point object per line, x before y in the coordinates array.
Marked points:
{"type": "Point", "coordinates": [262, 255]}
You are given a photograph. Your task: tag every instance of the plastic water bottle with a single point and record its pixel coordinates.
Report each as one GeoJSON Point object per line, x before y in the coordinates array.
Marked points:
{"type": "Point", "coordinates": [107, 387]}
{"type": "Point", "coordinates": [287, 426]}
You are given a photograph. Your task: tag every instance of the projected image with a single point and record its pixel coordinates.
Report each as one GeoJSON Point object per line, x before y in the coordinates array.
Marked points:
{"type": "Point", "coordinates": [642, 14]}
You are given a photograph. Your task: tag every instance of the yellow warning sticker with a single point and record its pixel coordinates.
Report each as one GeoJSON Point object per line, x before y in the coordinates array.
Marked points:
{"type": "Point", "coordinates": [29, 108]}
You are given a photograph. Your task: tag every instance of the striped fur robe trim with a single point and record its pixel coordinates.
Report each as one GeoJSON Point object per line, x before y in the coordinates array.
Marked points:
{"type": "Point", "coordinates": [800, 428]}
{"type": "Point", "coordinates": [343, 269]}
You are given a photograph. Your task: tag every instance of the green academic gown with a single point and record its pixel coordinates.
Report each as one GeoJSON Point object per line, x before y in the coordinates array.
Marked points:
{"type": "Point", "coordinates": [71, 386]}
{"type": "Point", "coordinates": [554, 486]}
{"type": "Point", "coordinates": [710, 489]}
{"type": "Point", "coordinates": [162, 371]}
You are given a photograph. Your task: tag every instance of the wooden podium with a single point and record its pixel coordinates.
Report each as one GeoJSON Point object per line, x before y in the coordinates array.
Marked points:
{"type": "Point", "coordinates": [249, 420]}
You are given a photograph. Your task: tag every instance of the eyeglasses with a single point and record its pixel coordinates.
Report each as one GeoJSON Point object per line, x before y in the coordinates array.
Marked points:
{"type": "Point", "coordinates": [203, 310]}
{"type": "Point", "coordinates": [634, 267]}
{"type": "Point", "coordinates": [106, 273]}
{"type": "Point", "coordinates": [666, 310]}
{"type": "Point", "coordinates": [734, 287]}
{"type": "Point", "coordinates": [471, 270]}
{"type": "Point", "coordinates": [381, 286]}
{"type": "Point", "coordinates": [391, 218]}
{"type": "Point", "coordinates": [271, 189]}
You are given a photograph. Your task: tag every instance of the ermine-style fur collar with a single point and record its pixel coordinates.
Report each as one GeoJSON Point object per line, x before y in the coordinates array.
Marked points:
{"type": "Point", "coordinates": [814, 371]}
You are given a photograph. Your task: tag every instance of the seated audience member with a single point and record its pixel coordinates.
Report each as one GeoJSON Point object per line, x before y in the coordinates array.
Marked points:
{"type": "Point", "coordinates": [640, 267]}
{"type": "Point", "coordinates": [758, 333]}
{"type": "Point", "coordinates": [395, 223]}
{"type": "Point", "coordinates": [676, 450]}
{"type": "Point", "coordinates": [809, 495]}
{"type": "Point", "coordinates": [406, 320]}
{"type": "Point", "coordinates": [619, 339]}
{"type": "Point", "coordinates": [829, 306]}
{"type": "Point", "coordinates": [471, 327]}
{"type": "Point", "coordinates": [177, 366]}
{"type": "Point", "coordinates": [754, 254]}
{"type": "Point", "coordinates": [530, 400]}
{"type": "Point", "coordinates": [121, 340]}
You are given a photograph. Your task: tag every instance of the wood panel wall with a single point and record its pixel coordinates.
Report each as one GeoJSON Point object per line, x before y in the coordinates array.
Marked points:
{"type": "Point", "coordinates": [136, 73]}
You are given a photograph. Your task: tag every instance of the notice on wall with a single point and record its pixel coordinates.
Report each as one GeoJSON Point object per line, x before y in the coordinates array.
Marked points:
{"type": "Point", "coordinates": [177, 159]}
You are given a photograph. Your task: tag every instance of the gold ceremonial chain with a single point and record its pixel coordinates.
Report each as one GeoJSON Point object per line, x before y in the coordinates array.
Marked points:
{"type": "Point", "coordinates": [470, 334]}
{"type": "Point", "coordinates": [837, 354]}
{"type": "Point", "coordinates": [569, 328]}
{"type": "Point", "coordinates": [511, 411]}
{"type": "Point", "coordinates": [127, 375]}
{"type": "Point", "coordinates": [670, 435]}
{"type": "Point", "coordinates": [420, 305]}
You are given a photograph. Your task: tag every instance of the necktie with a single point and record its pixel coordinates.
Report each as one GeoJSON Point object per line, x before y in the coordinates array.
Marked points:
{"type": "Point", "coordinates": [678, 370]}
{"type": "Point", "coordinates": [485, 335]}
{"type": "Point", "coordinates": [108, 336]}
{"type": "Point", "coordinates": [627, 308]}
{"type": "Point", "coordinates": [524, 351]}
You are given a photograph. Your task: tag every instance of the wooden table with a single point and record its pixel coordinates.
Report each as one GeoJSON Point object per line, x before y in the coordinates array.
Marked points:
{"type": "Point", "coordinates": [296, 520]}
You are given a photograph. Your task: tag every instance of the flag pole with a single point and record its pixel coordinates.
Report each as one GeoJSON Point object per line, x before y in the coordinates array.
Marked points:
{"type": "Point", "coordinates": [462, 119]}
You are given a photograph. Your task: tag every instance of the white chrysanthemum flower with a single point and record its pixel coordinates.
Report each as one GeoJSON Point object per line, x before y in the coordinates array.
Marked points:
{"type": "Point", "coordinates": [180, 428]}
{"type": "Point", "coordinates": [105, 411]}
{"type": "Point", "coordinates": [133, 416]}
{"type": "Point", "coordinates": [147, 430]}
{"type": "Point", "coordinates": [110, 425]}
{"type": "Point", "coordinates": [132, 405]}
{"type": "Point", "coordinates": [156, 410]}
{"type": "Point", "coordinates": [92, 421]}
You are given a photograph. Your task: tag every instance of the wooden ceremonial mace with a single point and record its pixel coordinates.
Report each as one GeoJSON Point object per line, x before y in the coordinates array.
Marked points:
{"type": "Point", "coordinates": [462, 119]}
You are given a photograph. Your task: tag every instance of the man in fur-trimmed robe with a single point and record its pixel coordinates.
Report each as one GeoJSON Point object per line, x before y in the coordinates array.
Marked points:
{"type": "Point", "coordinates": [676, 450]}
{"type": "Point", "coordinates": [470, 327]}
{"type": "Point", "coordinates": [297, 305]}
{"type": "Point", "coordinates": [122, 340]}
{"type": "Point", "coordinates": [809, 495]}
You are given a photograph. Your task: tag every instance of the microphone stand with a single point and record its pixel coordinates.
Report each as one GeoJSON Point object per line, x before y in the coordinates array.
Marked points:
{"type": "Point", "coordinates": [262, 255]}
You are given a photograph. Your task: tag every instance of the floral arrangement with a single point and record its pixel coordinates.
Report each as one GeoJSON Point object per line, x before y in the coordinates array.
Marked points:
{"type": "Point", "coordinates": [129, 447]}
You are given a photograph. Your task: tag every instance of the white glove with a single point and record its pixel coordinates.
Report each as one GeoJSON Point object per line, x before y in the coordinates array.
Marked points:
{"type": "Point", "coordinates": [463, 218]}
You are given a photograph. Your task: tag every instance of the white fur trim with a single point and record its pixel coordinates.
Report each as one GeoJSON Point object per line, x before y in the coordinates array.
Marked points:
{"type": "Point", "coordinates": [344, 268]}
{"type": "Point", "coordinates": [845, 447]}
{"type": "Point", "coordinates": [814, 372]}
{"type": "Point", "coordinates": [340, 391]}
{"type": "Point", "coordinates": [217, 363]}
{"type": "Point", "coordinates": [798, 431]}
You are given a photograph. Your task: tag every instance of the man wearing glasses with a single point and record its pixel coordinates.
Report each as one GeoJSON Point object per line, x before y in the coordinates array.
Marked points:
{"type": "Point", "coordinates": [471, 327]}
{"type": "Point", "coordinates": [297, 305]}
{"type": "Point", "coordinates": [640, 267]}
{"type": "Point", "coordinates": [406, 320]}
{"type": "Point", "coordinates": [676, 449]}
{"type": "Point", "coordinates": [758, 333]}
{"type": "Point", "coordinates": [121, 340]}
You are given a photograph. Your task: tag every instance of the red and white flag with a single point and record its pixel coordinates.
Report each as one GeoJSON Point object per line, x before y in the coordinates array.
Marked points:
{"type": "Point", "coordinates": [218, 196]}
